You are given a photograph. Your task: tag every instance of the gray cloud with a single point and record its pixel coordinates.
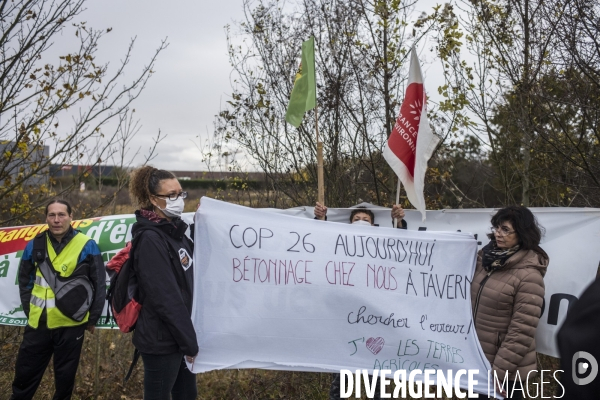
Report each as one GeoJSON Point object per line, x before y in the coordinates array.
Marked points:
{"type": "Point", "coordinates": [192, 74]}
{"type": "Point", "coordinates": [192, 79]}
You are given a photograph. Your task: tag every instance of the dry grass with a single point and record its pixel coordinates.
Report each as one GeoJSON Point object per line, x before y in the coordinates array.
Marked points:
{"type": "Point", "coordinates": [106, 358]}
{"type": "Point", "coordinates": [107, 355]}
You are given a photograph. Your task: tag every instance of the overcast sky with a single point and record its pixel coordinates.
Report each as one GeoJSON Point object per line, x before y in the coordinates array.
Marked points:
{"type": "Point", "coordinates": [192, 79]}
{"type": "Point", "coordinates": [192, 74]}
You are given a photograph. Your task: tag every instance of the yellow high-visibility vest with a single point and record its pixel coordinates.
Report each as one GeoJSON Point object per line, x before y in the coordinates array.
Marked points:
{"type": "Point", "coordinates": [42, 295]}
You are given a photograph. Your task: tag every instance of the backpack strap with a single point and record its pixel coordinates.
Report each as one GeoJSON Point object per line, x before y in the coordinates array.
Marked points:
{"type": "Point", "coordinates": [136, 356]}
{"type": "Point", "coordinates": [39, 247]}
{"type": "Point", "coordinates": [42, 260]}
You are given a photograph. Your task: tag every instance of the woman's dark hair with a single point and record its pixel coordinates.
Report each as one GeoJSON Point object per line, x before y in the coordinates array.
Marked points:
{"type": "Point", "coordinates": [60, 201]}
{"type": "Point", "coordinates": [525, 225]}
{"type": "Point", "coordinates": [363, 210]}
{"type": "Point", "coordinates": [145, 182]}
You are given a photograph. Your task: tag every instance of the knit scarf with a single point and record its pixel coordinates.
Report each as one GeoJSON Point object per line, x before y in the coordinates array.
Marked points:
{"type": "Point", "coordinates": [150, 215]}
{"type": "Point", "coordinates": [494, 258]}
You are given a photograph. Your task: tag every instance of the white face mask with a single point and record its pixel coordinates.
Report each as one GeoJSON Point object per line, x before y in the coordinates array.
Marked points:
{"type": "Point", "coordinates": [174, 208]}
{"type": "Point", "coordinates": [361, 222]}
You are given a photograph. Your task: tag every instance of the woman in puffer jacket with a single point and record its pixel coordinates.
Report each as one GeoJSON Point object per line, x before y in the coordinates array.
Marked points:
{"type": "Point", "coordinates": [507, 293]}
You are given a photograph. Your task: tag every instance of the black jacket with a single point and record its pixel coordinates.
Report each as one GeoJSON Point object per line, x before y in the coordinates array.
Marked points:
{"type": "Point", "coordinates": [580, 333]}
{"type": "Point", "coordinates": [166, 287]}
{"type": "Point", "coordinates": [90, 254]}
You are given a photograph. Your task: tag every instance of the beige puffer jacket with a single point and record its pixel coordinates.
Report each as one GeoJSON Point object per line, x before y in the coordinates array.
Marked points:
{"type": "Point", "coordinates": [507, 309]}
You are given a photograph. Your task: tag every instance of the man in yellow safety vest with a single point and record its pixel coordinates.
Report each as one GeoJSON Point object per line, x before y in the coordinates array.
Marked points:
{"type": "Point", "coordinates": [49, 331]}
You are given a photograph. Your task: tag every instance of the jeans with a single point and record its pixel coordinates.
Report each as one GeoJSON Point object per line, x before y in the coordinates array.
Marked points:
{"type": "Point", "coordinates": [166, 376]}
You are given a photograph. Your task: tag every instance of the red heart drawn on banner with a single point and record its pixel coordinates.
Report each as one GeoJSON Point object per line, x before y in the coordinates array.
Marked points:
{"type": "Point", "coordinates": [375, 344]}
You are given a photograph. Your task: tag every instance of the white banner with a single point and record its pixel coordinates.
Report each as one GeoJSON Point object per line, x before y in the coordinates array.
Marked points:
{"type": "Point", "coordinates": [280, 292]}
{"type": "Point", "coordinates": [571, 240]}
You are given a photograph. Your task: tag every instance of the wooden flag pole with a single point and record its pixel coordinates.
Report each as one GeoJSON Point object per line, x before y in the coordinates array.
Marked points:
{"type": "Point", "coordinates": [321, 184]}
{"type": "Point", "coordinates": [397, 200]}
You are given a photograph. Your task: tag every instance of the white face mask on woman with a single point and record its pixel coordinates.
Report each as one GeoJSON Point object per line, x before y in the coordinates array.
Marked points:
{"type": "Point", "coordinates": [361, 222]}
{"type": "Point", "coordinates": [174, 208]}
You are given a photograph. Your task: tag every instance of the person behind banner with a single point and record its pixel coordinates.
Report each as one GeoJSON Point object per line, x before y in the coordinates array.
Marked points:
{"type": "Point", "coordinates": [507, 293]}
{"type": "Point", "coordinates": [359, 216]}
{"type": "Point", "coordinates": [64, 255]}
{"type": "Point", "coordinates": [362, 213]}
{"type": "Point", "coordinates": [164, 334]}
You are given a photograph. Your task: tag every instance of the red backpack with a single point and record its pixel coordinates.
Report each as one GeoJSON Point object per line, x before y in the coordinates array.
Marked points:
{"type": "Point", "coordinates": [123, 292]}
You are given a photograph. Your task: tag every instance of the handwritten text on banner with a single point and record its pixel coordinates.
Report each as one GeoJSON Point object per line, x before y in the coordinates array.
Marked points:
{"type": "Point", "coordinates": [281, 292]}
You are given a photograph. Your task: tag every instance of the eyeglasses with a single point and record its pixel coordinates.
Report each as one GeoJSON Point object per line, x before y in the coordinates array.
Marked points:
{"type": "Point", "coordinates": [173, 196]}
{"type": "Point", "coordinates": [502, 231]}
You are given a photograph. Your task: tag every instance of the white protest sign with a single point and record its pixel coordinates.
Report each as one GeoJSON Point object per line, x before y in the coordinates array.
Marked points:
{"type": "Point", "coordinates": [571, 238]}
{"type": "Point", "coordinates": [281, 292]}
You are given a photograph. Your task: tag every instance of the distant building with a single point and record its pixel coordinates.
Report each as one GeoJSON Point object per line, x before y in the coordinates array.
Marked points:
{"type": "Point", "coordinates": [57, 171]}
{"type": "Point", "coordinates": [219, 175]}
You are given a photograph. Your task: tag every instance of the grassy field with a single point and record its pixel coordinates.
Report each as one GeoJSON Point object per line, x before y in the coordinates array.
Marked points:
{"type": "Point", "coordinates": [106, 358]}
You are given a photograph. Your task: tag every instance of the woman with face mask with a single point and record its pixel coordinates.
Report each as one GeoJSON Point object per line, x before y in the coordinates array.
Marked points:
{"type": "Point", "coordinates": [163, 263]}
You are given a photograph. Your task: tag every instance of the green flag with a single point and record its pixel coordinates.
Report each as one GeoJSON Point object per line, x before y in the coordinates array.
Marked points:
{"type": "Point", "coordinates": [304, 93]}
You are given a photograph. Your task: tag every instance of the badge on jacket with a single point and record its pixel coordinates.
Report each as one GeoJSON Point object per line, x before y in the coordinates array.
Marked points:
{"type": "Point", "coordinates": [186, 260]}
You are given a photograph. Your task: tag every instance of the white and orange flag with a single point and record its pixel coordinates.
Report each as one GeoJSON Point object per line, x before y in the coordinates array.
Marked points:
{"type": "Point", "coordinates": [412, 141]}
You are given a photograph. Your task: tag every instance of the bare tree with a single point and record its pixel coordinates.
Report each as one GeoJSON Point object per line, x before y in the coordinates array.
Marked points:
{"type": "Point", "coordinates": [362, 49]}
{"type": "Point", "coordinates": [65, 104]}
{"type": "Point", "coordinates": [571, 100]}
{"type": "Point", "coordinates": [504, 62]}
